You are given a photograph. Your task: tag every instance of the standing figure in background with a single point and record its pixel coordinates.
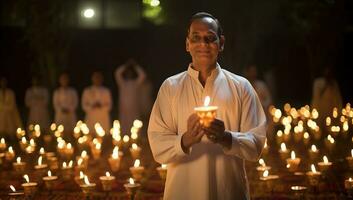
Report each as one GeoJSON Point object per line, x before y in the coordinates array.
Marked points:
{"type": "Point", "coordinates": [97, 103]}
{"type": "Point", "coordinates": [260, 87]}
{"type": "Point", "coordinates": [65, 102]}
{"type": "Point", "coordinates": [36, 99]}
{"type": "Point", "coordinates": [326, 95]}
{"type": "Point", "coordinates": [9, 116]}
{"type": "Point", "coordinates": [129, 78]}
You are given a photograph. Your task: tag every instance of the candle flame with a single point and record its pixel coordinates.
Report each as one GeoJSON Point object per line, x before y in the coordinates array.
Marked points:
{"type": "Point", "coordinates": [137, 163]}
{"type": "Point", "coordinates": [23, 140]}
{"type": "Point", "coordinates": [69, 146]}
{"type": "Point", "coordinates": [41, 151]}
{"type": "Point", "coordinates": [207, 101]}
{"type": "Point", "coordinates": [49, 173]}
{"type": "Point", "coordinates": [11, 149]}
{"type": "Point", "coordinates": [126, 138]}
{"type": "Point", "coordinates": [70, 163]}
{"type": "Point", "coordinates": [283, 147]}
{"type": "Point", "coordinates": [32, 143]}
{"type": "Point", "coordinates": [352, 152]}
{"type": "Point", "coordinates": [86, 180]}
{"type": "Point", "coordinates": [134, 146]}
{"type": "Point", "coordinates": [313, 148]}
{"type": "Point", "coordinates": [313, 169]}
{"type": "Point", "coordinates": [107, 173]}
{"type": "Point", "coordinates": [40, 159]}
{"type": "Point", "coordinates": [2, 141]}
{"type": "Point", "coordinates": [84, 154]}
{"type": "Point", "coordinates": [350, 179]}
{"type": "Point", "coordinates": [265, 174]}
{"type": "Point", "coordinates": [82, 175]}
{"type": "Point", "coordinates": [26, 178]}
{"type": "Point", "coordinates": [164, 166]}
{"type": "Point", "coordinates": [262, 162]}
{"type": "Point", "coordinates": [12, 188]}
{"type": "Point", "coordinates": [79, 161]}
{"type": "Point", "coordinates": [98, 146]}
{"type": "Point", "coordinates": [325, 159]}
{"type": "Point", "coordinates": [131, 181]}
{"type": "Point", "coordinates": [292, 155]}
{"type": "Point", "coordinates": [18, 160]}
{"type": "Point", "coordinates": [115, 154]}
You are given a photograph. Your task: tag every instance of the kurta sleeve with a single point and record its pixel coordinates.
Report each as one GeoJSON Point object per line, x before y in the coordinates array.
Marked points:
{"type": "Point", "coordinates": [107, 101]}
{"type": "Point", "coordinates": [249, 142]}
{"type": "Point", "coordinates": [74, 99]}
{"type": "Point", "coordinates": [162, 132]}
{"type": "Point", "coordinates": [56, 102]}
{"type": "Point", "coordinates": [85, 101]}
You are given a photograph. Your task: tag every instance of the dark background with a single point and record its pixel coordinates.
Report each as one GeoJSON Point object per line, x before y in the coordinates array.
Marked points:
{"type": "Point", "coordinates": [293, 39]}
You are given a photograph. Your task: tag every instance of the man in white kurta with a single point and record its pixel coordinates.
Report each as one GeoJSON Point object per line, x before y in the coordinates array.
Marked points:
{"type": "Point", "coordinates": [37, 99]}
{"type": "Point", "coordinates": [97, 103]}
{"type": "Point", "coordinates": [65, 102]}
{"type": "Point", "coordinates": [9, 116]}
{"type": "Point", "coordinates": [212, 167]}
{"type": "Point", "coordinates": [129, 94]}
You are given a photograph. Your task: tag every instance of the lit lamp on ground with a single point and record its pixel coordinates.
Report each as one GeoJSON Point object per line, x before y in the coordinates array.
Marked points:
{"type": "Point", "coordinates": [348, 185]}
{"type": "Point", "coordinates": [87, 187]}
{"type": "Point", "coordinates": [13, 195]}
{"type": "Point", "coordinates": [283, 152]}
{"type": "Point", "coordinates": [85, 158]}
{"type": "Point", "coordinates": [330, 143]}
{"type": "Point", "coordinates": [96, 151]}
{"type": "Point", "coordinates": [206, 113]}
{"type": "Point", "coordinates": [313, 176]}
{"type": "Point", "coordinates": [23, 143]}
{"type": "Point", "coordinates": [137, 170]}
{"type": "Point", "coordinates": [262, 168]}
{"type": "Point", "coordinates": [325, 165]}
{"type": "Point", "coordinates": [80, 178]}
{"type": "Point", "coordinates": [162, 171]}
{"type": "Point", "coordinates": [19, 166]}
{"type": "Point", "coordinates": [115, 159]}
{"type": "Point", "coordinates": [306, 138]}
{"type": "Point", "coordinates": [29, 188]}
{"type": "Point", "coordinates": [107, 181]}
{"type": "Point", "coordinates": [269, 180]}
{"type": "Point", "coordinates": [2, 145]}
{"type": "Point", "coordinates": [350, 160]}
{"type": "Point", "coordinates": [135, 151]}
{"type": "Point", "coordinates": [279, 137]}
{"type": "Point", "coordinates": [68, 151]}
{"type": "Point", "coordinates": [126, 141]}
{"type": "Point", "coordinates": [313, 153]}
{"type": "Point", "coordinates": [10, 154]}
{"type": "Point", "coordinates": [66, 170]}
{"type": "Point", "coordinates": [293, 162]}
{"type": "Point", "coordinates": [50, 180]}
{"type": "Point", "coordinates": [298, 191]}
{"type": "Point", "coordinates": [132, 188]}
{"type": "Point", "coordinates": [40, 167]}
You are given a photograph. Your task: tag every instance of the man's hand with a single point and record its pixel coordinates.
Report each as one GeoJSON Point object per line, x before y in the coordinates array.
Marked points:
{"type": "Point", "coordinates": [217, 134]}
{"type": "Point", "coordinates": [193, 134]}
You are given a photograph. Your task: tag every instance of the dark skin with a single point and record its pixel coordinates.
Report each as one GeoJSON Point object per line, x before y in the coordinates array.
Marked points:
{"type": "Point", "coordinates": [204, 45]}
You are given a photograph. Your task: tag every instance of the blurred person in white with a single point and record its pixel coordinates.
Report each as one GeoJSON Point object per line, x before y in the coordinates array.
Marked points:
{"type": "Point", "coordinates": [212, 167]}
{"type": "Point", "coordinates": [260, 86]}
{"type": "Point", "coordinates": [37, 99]}
{"type": "Point", "coordinates": [9, 116]}
{"type": "Point", "coordinates": [130, 78]}
{"type": "Point", "coordinates": [326, 94]}
{"type": "Point", "coordinates": [97, 102]}
{"type": "Point", "coordinates": [65, 101]}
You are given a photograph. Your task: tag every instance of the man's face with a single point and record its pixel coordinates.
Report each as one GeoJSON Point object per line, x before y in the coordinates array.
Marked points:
{"type": "Point", "coordinates": [203, 43]}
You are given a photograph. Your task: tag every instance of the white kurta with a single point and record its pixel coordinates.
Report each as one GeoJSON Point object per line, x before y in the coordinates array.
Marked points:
{"type": "Point", "coordinates": [208, 171]}
{"type": "Point", "coordinates": [129, 98]}
{"type": "Point", "coordinates": [97, 95]}
{"type": "Point", "coordinates": [65, 102]}
{"type": "Point", "coordinates": [9, 116]}
{"type": "Point", "coordinates": [36, 100]}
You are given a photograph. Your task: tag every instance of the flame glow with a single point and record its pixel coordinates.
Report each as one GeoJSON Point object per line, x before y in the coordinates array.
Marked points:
{"type": "Point", "coordinates": [137, 163]}
{"type": "Point", "coordinates": [207, 101]}
{"type": "Point", "coordinates": [26, 178]}
{"type": "Point", "coordinates": [131, 181]}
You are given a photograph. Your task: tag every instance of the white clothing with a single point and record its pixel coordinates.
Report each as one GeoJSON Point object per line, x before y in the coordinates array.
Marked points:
{"type": "Point", "coordinates": [9, 116]}
{"type": "Point", "coordinates": [36, 100]}
{"type": "Point", "coordinates": [129, 98]}
{"type": "Point", "coordinates": [97, 95]}
{"type": "Point", "coordinates": [65, 102]}
{"type": "Point", "coordinates": [208, 171]}
{"type": "Point", "coordinates": [263, 93]}
{"type": "Point", "coordinates": [326, 97]}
